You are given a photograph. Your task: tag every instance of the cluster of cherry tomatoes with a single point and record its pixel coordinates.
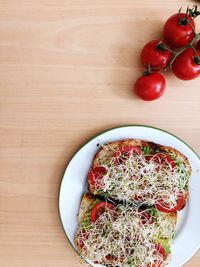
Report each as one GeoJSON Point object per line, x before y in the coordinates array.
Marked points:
{"type": "Point", "coordinates": [179, 50]}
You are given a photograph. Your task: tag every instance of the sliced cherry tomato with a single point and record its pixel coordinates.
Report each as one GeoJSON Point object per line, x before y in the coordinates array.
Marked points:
{"type": "Point", "coordinates": [161, 158]}
{"type": "Point", "coordinates": [154, 54]}
{"type": "Point", "coordinates": [82, 238]}
{"type": "Point", "coordinates": [187, 65]}
{"type": "Point", "coordinates": [110, 257]}
{"type": "Point", "coordinates": [155, 264]}
{"type": "Point", "coordinates": [161, 250]}
{"type": "Point", "coordinates": [95, 174]}
{"type": "Point", "coordinates": [150, 87]}
{"type": "Point", "coordinates": [124, 152]}
{"type": "Point", "coordinates": [128, 149]}
{"type": "Point", "coordinates": [170, 161]}
{"type": "Point", "coordinates": [100, 208]}
{"type": "Point", "coordinates": [165, 207]}
{"type": "Point", "coordinates": [146, 218]}
{"type": "Point", "coordinates": [177, 31]}
{"type": "Point", "coordinates": [139, 198]}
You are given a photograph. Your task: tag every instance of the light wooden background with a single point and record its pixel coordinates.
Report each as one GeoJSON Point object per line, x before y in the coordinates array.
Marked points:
{"type": "Point", "coordinates": [66, 73]}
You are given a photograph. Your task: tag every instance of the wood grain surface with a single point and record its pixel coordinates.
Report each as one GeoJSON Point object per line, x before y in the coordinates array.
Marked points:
{"type": "Point", "coordinates": [66, 73]}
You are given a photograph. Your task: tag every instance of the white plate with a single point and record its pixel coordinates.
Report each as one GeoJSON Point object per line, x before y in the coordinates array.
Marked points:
{"type": "Point", "coordinates": [74, 184]}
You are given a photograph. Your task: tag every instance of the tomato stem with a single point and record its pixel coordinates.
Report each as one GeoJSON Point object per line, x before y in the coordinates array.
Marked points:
{"type": "Point", "coordinates": [193, 12]}
{"type": "Point", "coordinates": [148, 70]}
{"type": "Point", "coordinates": [164, 47]}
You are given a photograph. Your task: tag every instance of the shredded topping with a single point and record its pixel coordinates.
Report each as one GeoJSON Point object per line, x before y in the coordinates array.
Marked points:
{"type": "Point", "coordinates": [125, 239]}
{"type": "Point", "coordinates": [150, 179]}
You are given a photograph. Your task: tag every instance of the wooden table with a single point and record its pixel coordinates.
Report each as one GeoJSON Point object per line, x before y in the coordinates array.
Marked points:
{"type": "Point", "coordinates": [66, 73]}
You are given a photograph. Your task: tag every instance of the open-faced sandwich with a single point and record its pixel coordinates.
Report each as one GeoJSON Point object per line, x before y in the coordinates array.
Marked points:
{"type": "Point", "coordinates": [124, 235]}
{"type": "Point", "coordinates": [141, 172]}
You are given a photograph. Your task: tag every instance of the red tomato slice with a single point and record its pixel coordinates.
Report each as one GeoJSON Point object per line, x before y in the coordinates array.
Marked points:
{"type": "Point", "coordinates": [163, 206]}
{"type": "Point", "coordinates": [161, 250]}
{"type": "Point", "coordinates": [160, 158]}
{"type": "Point", "coordinates": [156, 264]}
{"type": "Point", "coordinates": [110, 257]}
{"type": "Point", "coordinates": [125, 152]}
{"type": "Point", "coordinates": [83, 237]}
{"type": "Point", "coordinates": [146, 218]}
{"type": "Point", "coordinates": [99, 208]}
{"type": "Point", "coordinates": [96, 173]}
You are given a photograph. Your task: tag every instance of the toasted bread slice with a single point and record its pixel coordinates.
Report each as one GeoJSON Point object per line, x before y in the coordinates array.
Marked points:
{"type": "Point", "coordinates": [93, 249]}
{"type": "Point", "coordinates": [108, 151]}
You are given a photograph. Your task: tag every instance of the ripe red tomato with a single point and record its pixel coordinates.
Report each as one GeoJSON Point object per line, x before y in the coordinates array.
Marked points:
{"type": "Point", "coordinates": [99, 208]}
{"type": "Point", "coordinates": [154, 55]}
{"type": "Point", "coordinates": [127, 149]}
{"type": "Point", "coordinates": [198, 45]}
{"type": "Point", "coordinates": [161, 250]}
{"type": "Point", "coordinates": [160, 158]}
{"type": "Point", "coordinates": [81, 240]}
{"type": "Point", "coordinates": [146, 218]}
{"type": "Point", "coordinates": [162, 206]}
{"type": "Point", "coordinates": [185, 66]}
{"type": "Point", "coordinates": [96, 173]}
{"type": "Point", "coordinates": [150, 87]}
{"type": "Point", "coordinates": [177, 31]}
{"type": "Point", "coordinates": [125, 152]}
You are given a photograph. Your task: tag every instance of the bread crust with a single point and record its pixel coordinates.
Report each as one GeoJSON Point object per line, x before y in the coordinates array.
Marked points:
{"type": "Point", "coordinates": [86, 204]}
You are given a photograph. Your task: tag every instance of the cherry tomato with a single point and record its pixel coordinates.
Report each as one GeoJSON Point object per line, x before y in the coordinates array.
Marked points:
{"type": "Point", "coordinates": [140, 198]}
{"type": "Point", "coordinates": [150, 87]}
{"type": "Point", "coordinates": [161, 158]}
{"type": "Point", "coordinates": [146, 218]}
{"type": "Point", "coordinates": [163, 206]}
{"type": "Point", "coordinates": [128, 149]}
{"type": "Point", "coordinates": [161, 250]}
{"type": "Point", "coordinates": [124, 152]}
{"type": "Point", "coordinates": [96, 173]}
{"type": "Point", "coordinates": [82, 238]}
{"type": "Point", "coordinates": [99, 208]}
{"type": "Point", "coordinates": [154, 55]}
{"type": "Point", "coordinates": [186, 66]}
{"type": "Point", "coordinates": [111, 258]}
{"type": "Point", "coordinates": [177, 31]}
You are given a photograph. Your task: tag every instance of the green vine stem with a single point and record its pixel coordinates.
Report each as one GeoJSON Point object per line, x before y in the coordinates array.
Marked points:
{"type": "Point", "coordinates": [176, 53]}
